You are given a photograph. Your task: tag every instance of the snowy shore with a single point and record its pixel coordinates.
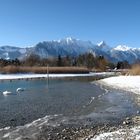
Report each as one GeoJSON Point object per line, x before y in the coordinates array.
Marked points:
{"type": "Point", "coordinates": [127, 83]}
{"type": "Point", "coordinates": [33, 76]}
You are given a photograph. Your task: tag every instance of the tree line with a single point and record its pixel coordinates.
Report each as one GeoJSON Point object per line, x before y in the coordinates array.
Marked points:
{"type": "Point", "coordinates": [84, 60]}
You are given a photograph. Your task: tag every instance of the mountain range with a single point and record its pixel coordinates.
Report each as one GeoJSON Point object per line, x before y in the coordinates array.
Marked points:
{"type": "Point", "coordinates": [72, 47]}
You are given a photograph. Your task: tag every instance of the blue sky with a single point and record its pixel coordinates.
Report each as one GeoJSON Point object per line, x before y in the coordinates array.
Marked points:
{"type": "Point", "coordinates": [27, 22]}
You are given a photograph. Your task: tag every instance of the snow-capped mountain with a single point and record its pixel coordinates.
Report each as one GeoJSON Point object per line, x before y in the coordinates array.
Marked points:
{"type": "Point", "coordinates": [72, 47]}
{"type": "Point", "coordinates": [123, 52]}
{"type": "Point", "coordinates": [10, 52]}
{"type": "Point", "coordinates": [63, 47]}
{"type": "Point", "coordinates": [103, 46]}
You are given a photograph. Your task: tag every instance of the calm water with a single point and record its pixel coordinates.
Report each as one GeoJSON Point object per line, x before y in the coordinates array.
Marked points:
{"type": "Point", "coordinates": [65, 97]}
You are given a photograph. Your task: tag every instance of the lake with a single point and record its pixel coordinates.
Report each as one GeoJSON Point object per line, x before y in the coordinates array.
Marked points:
{"type": "Point", "coordinates": [68, 101]}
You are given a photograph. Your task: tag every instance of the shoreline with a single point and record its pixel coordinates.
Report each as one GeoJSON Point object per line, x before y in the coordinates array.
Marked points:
{"type": "Point", "coordinates": [45, 76]}
{"type": "Point", "coordinates": [126, 83]}
{"type": "Point", "coordinates": [130, 128]}
{"type": "Point", "coordinates": [44, 128]}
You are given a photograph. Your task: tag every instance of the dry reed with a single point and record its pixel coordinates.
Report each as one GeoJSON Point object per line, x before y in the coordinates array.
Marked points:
{"type": "Point", "coordinates": [43, 70]}
{"type": "Point", "coordinates": [135, 70]}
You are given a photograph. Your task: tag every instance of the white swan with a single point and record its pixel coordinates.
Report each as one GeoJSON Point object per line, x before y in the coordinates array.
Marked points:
{"type": "Point", "coordinates": [20, 89]}
{"type": "Point", "coordinates": [7, 92]}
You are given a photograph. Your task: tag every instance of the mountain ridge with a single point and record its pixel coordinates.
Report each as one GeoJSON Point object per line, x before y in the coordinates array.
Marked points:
{"type": "Point", "coordinates": [72, 47]}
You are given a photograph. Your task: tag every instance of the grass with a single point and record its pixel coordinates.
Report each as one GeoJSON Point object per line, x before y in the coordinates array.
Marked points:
{"type": "Point", "coordinates": [43, 70]}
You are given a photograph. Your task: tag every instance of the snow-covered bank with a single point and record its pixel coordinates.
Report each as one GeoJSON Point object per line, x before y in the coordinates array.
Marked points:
{"type": "Point", "coordinates": [128, 83]}
{"type": "Point", "coordinates": [28, 76]}
{"type": "Point", "coordinates": [122, 134]}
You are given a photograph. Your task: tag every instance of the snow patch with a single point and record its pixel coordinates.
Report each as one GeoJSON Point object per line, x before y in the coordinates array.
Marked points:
{"type": "Point", "coordinates": [128, 83]}
{"type": "Point", "coordinates": [122, 134]}
{"type": "Point", "coordinates": [122, 48]}
{"type": "Point", "coordinates": [28, 76]}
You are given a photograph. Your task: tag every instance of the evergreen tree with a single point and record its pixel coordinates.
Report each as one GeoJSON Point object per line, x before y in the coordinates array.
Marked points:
{"type": "Point", "coordinates": [59, 61]}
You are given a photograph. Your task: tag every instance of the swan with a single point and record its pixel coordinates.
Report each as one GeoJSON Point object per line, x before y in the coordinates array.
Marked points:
{"type": "Point", "coordinates": [20, 89]}
{"type": "Point", "coordinates": [7, 92]}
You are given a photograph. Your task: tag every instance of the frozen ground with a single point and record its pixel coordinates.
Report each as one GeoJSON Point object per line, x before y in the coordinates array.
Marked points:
{"type": "Point", "coordinates": [127, 83]}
